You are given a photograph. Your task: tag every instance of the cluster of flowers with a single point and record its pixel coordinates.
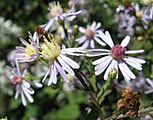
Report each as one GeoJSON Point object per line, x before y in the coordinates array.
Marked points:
{"type": "Point", "coordinates": [56, 55]}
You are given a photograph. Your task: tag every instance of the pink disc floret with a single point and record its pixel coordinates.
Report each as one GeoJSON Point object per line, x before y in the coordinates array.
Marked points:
{"type": "Point", "coordinates": [15, 80]}
{"type": "Point", "coordinates": [117, 51]}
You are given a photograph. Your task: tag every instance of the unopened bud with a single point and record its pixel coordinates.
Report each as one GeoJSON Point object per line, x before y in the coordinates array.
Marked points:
{"type": "Point", "coordinates": [75, 30]}
{"type": "Point", "coordinates": [140, 38]}
{"type": "Point", "coordinates": [112, 74]}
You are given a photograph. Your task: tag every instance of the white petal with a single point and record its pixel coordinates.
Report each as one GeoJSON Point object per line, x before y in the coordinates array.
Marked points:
{"type": "Point", "coordinates": [125, 41]}
{"type": "Point", "coordinates": [103, 64]}
{"type": "Point", "coordinates": [92, 44]}
{"type": "Point", "coordinates": [112, 64]}
{"type": "Point", "coordinates": [70, 62]}
{"type": "Point", "coordinates": [99, 41]}
{"type": "Point", "coordinates": [134, 64]}
{"type": "Point", "coordinates": [97, 50]}
{"type": "Point", "coordinates": [101, 60]}
{"type": "Point", "coordinates": [109, 39]}
{"type": "Point", "coordinates": [65, 66]}
{"type": "Point", "coordinates": [96, 54]}
{"type": "Point", "coordinates": [100, 68]}
{"type": "Point", "coordinates": [134, 51]}
{"type": "Point", "coordinates": [23, 99]}
{"type": "Point", "coordinates": [82, 30]}
{"type": "Point", "coordinates": [61, 71]}
{"type": "Point", "coordinates": [123, 71]}
{"type": "Point", "coordinates": [137, 60]}
{"type": "Point", "coordinates": [128, 71]}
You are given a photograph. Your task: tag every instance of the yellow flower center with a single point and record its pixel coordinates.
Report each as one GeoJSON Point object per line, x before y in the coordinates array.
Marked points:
{"type": "Point", "coordinates": [56, 9]}
{"type": "Point", "coordinates": [147, 2]}
{"type": "Point", "coordinates": [50, 50]}
{"type": "Point", "coordinates": [30, 50]}
{"type": "Point", "coordinates": [139, 14]}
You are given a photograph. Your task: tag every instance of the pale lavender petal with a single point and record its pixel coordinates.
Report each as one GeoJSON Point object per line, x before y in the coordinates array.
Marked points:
{"type": "Point", "coordinates": [55, 75]}
{"type": "Point", "coordinates": [26, 84]}
{"type": "Point", "coordinates": [97, 50]}
{"type": "Point", "coordinates": [70, 62]}
{"type": "Point", "coordinates": [125, 41]}
{"type": "Point", "coordinates": [85, 44]}
{"type": "Point", "coordinates": [98, 26]}
{"type": "Point", "coordinates": [28, 95]}
{"type": "Point", "coordinates": [24, 42]}
{"type": "Point", "coordinates": [81, 39]}
{"type": "Point", "coordinates": [65, 66]}
{"type": "Point", "coordinates": [92, 44]}
{"type": "Point", "coordinates": [150, 82]}
{"type": "Point", "coordinates": [23, 99]}
{"type": "Point", "coordinates": [93, 25]}
{"type": "Point", "coordinates": [61, 71]}
{"type": "Point", "coordinates": [82, 30]}
{"type": "Point", "coordinates": [46, 76]}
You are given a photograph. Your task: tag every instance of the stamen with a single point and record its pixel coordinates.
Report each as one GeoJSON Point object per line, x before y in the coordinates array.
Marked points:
{"type": "Point", "coordinates": [30, 50]}
{"type": "Point", "coordinates": [50, 50]}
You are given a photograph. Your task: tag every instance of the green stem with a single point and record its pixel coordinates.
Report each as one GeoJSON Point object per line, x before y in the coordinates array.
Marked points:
{"type": "Point", "coordinates": [90, 92]}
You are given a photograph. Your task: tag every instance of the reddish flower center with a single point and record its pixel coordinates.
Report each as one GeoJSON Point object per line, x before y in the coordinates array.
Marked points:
{"type": "Point", "coordinates": [127, 5]}
{"type": "Point", "coordinates": [117, 51]}
{"type": "Point", "coordinates": [89, 33]}
{"type": "Point", "coordinates": [16, 80]}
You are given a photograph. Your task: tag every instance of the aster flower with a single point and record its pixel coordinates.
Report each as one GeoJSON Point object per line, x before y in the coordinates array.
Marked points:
{"type": "Point", "coordinates": [125, 24]}
{"type": "Point", "coordinates": [23, 87]}
{"type": "Point", "coordinates": [91, 35]}
{"type": "Point", "coordinates": [57, 13]}
{"type": "Point", "coordinates": [115, 58]}
{"type": "Point", "coordinates": [30, 52]}
{"type": "Point", "coordinates": [58, 61]}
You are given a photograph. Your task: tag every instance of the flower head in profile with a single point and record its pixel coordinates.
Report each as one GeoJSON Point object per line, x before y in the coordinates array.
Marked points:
{"type": "Point", "coordinates": [91, 35]}
{"type": "Point", "coordinates": [58, 60]}
{"type": "Point", "coordinates": [116, 58]}
{"type": "Point", "coordinates": [30, 52]}
{"type": "Point", "coordinates": [57, 13]}
{"type": "Point", "coordinates": [23, 87]}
